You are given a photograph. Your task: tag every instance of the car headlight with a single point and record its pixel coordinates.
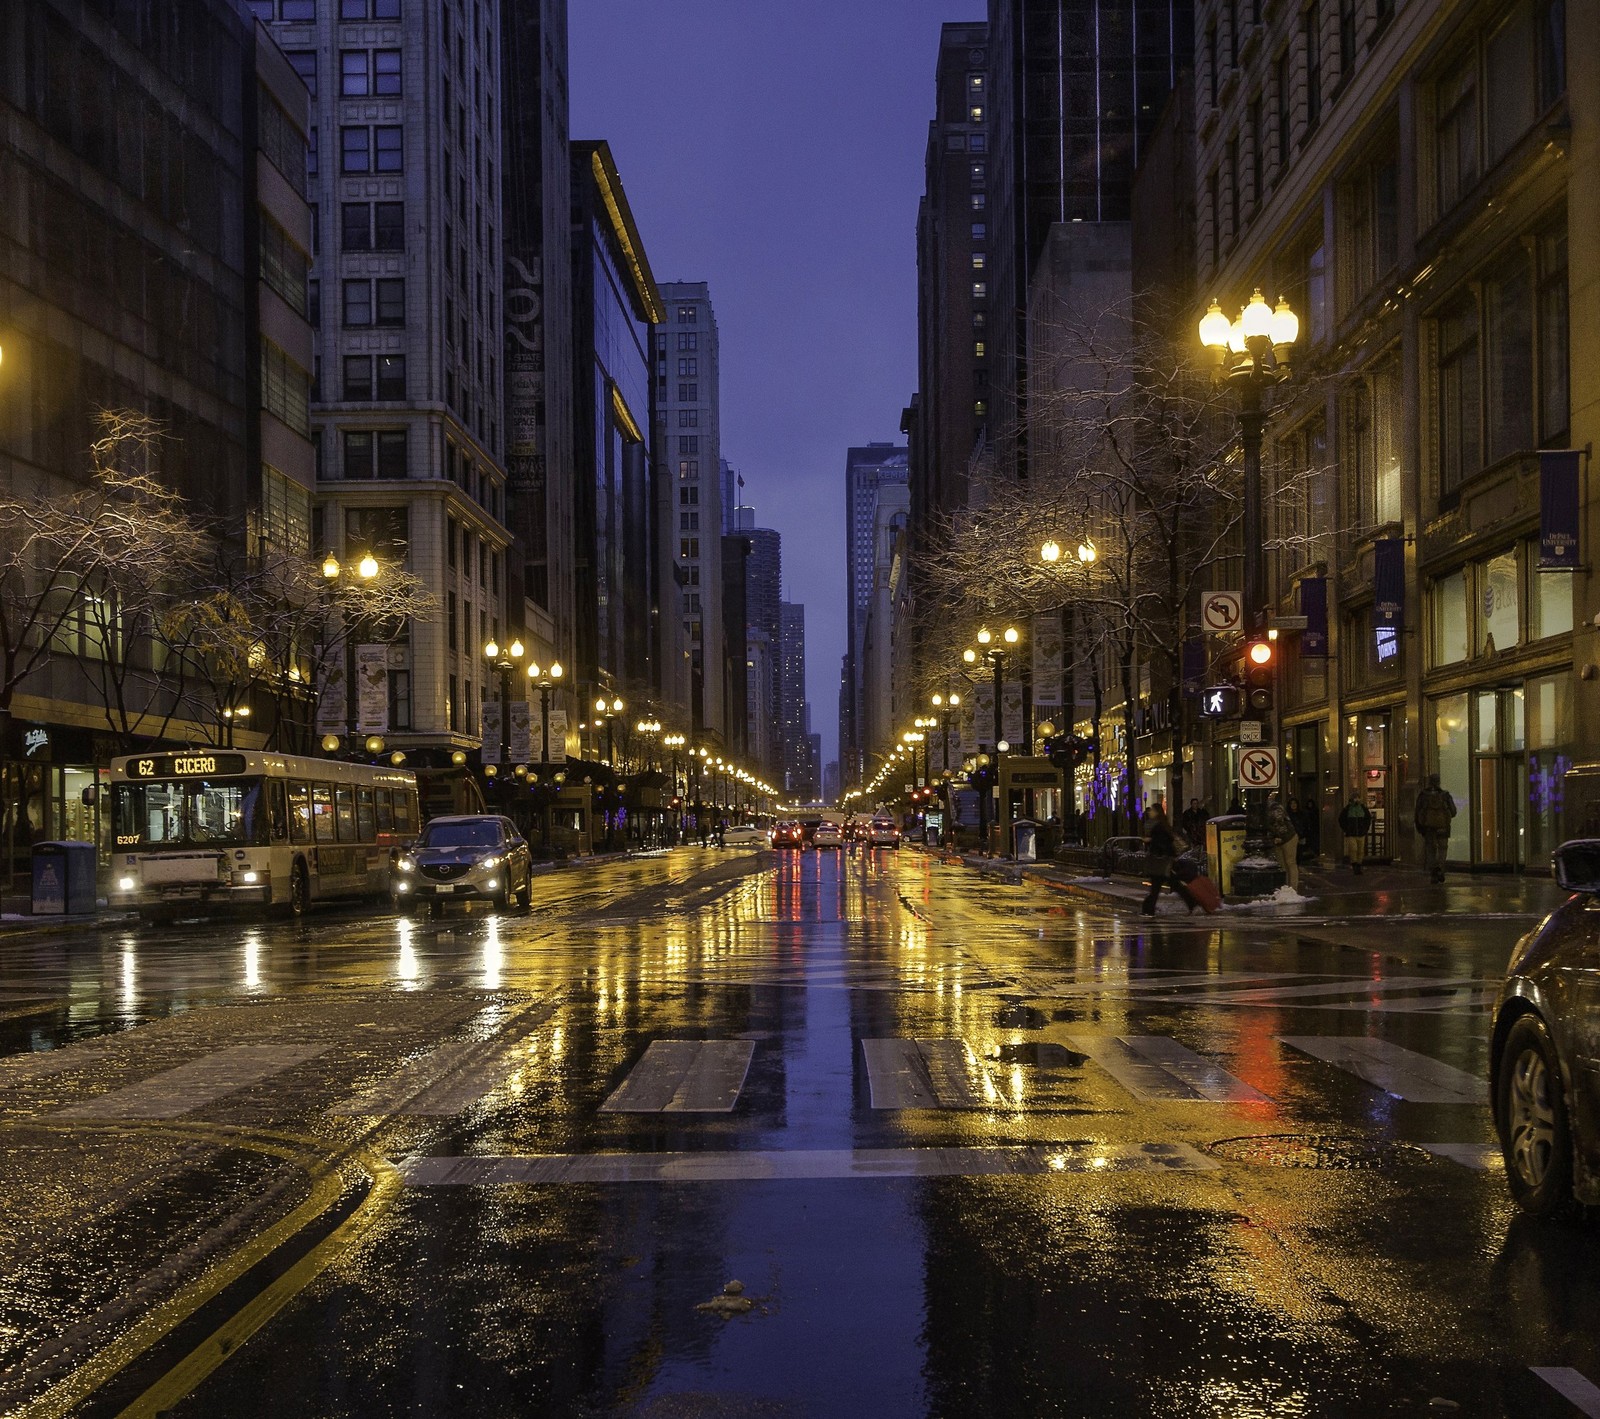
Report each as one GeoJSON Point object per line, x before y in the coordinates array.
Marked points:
{"type": "Point", "coordinates": [407, 864]}
{"type": "Point", "coordinates": [493, 860]}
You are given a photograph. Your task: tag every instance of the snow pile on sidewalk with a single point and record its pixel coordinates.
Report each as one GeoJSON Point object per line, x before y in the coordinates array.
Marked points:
{"type": "Point", "coordinates": [1285, 896]}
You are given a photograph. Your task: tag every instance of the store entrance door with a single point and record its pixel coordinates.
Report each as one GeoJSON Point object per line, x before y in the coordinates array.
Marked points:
{"type": "Point", "coordinates": [1499, 779]}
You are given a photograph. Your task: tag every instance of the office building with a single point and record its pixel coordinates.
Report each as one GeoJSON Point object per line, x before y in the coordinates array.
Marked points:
{"type": "Point", "coordinates": [792, 695]}
{"type": "Point", "coordinates": [125, 287]}
{"type": "Point", "coordinates": [688, 429]}
{"type": "Point", "coordinates": [1422, 182]}
{"type": "Point", "coordinates": [886, 684]}
{"type": "Point", "coordinates": [406, 294]}
{"type": "Point", "coordinates": [866, 470]}
{"type": "Point", "coordinates": [764, 595]}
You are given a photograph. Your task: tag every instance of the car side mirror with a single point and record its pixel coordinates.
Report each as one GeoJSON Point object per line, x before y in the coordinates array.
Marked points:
{"type": "Point", "coordinates": [1577, 865]}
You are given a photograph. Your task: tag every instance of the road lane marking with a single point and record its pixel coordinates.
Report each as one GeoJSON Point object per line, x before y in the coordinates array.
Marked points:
{"type": "Point", "coordinates": [1156, 1068]}
{"type": "Point", "coordinates": [926, 1074]}
{"type": "Point", "coordinates": [1480, 1157]}
{"type": "Point", "coordinates": [199, 1082]}
{"type": "Point", "coordinates": [805, 1165]}
{"type": "Point", "coordinates": [1408, 1075]}
{"type": "Point", "coordinates": [684, 1076]}
{"type": "Point", "coordinates": [1571, 1385]}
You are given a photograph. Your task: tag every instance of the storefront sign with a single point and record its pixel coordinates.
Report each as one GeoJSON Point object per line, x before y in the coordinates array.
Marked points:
{"type": "Point", "coordinates": [35, 743]}
{"type": "Point", "coordinates": [1558, 509]}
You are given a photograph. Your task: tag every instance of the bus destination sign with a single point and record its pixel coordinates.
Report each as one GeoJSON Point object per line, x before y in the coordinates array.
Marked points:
{"type": "Point", "coordinates": [196, 764]}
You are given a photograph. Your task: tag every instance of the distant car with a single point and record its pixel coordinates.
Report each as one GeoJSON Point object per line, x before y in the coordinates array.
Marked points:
{"type": "Point", "coordinates": [788, 835]}
{"type": "Point", "coordinates": [827, 834]}
{"type": "Point", "coordinates": [884, 832]}
{"type": "Point", "coordinates": [464, 856]}
{"type": "Point", "coordinates": [744, 835]}
{"type": "Point", "coordinates": [1543, 1084]}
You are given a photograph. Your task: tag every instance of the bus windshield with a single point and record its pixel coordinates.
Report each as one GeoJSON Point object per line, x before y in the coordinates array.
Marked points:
{"type": "Point", "coordinates": [187, 813]}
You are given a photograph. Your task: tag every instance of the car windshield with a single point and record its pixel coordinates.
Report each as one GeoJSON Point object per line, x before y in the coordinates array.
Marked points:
{"type": "Point", "coordinates": [470, 834]}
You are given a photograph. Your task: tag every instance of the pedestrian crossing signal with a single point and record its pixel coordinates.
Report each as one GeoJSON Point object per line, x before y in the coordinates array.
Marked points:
{"type": "Point", "coordinates": [1219, 702]}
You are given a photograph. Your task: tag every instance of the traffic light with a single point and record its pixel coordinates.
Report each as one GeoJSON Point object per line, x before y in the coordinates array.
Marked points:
{"type": "Point", "coordinates": [1260, 668]}
{"type": "Point", "coordinates": [1219, 702]}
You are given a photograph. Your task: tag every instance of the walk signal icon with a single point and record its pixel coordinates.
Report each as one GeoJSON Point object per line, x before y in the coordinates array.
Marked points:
{"type": "Point", "coordinates": [1219, 702]}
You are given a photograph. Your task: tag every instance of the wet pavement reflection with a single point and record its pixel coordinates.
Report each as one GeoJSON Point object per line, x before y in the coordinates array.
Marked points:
{"type": "Point", "coordinates": [967, 1150]}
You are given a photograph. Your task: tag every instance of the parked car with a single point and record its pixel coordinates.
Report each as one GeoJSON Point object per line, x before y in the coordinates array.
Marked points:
{"type": "Point", "coordinates": [464, 856]}
{"type": "Point", "coordinates": [884, 832]}
{"type": "Point", "coordinates": [1544, 1052]}
{"type": "Point", "coordinates": [827, 834]}
{"type": "Point", "coordinates": [744, 835]}
{"type": "Point", "coordinates": [789, 835]}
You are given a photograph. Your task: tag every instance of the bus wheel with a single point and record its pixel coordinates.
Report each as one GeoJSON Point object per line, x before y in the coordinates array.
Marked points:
{"type": "Point", "coordinates": [299, 890]}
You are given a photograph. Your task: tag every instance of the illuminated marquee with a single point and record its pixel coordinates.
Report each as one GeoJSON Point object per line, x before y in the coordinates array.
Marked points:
{"type": "Point", "coordinates": [197, 765]}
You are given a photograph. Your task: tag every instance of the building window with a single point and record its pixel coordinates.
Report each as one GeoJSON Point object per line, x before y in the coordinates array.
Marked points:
{"type": "Point", "coordinates": [1348, 15]}
{"type": "Point", "coordinates": [689, 522]}
{"type": "Point", "coordinates": [1367, 212]}
{"type": "Point", "coordinates": [357, 377]}
{"type": "Point", "coordinates": [392, 453]}
{"type": "Point", "coordinates": [978, 262]}
{"type": "Point", "coordinates": [399, 699]}
{"type": "Point", "coordinates": [1213, 65]}
{"type": "Point", "coordinates": [688, 340]}
{"type": "Point", "coordinates": [285, 517]}
{"type": "Point", "coordinates": [304, 62]}
{"type": "Point", "coordinates": [369, 9]}
{"type": "Point", "coordinates": [978, 174]}
{"type": "Point", "coordinates": [1554, 380]}
{"type": "Point", "coordinates": [284, 266]}
{"type": "Point", "coordinates": [391, 301]}
{"type": "Point", "coordinates": [358, 302]}
{"type": "Point", "coordinates": [1233, 190]}
{"type": "Point", "coordinates": [688, 393]}
{"type": "Point", "coordinates": [690, 366]}
{"type": "Point", "coordinates": [1285, 97]}
{"type": "Point", "coordinates": [386, 148]}
{"type": "Point", "coordinates": [285, 389]}
{"type": "Point", "coordinates": [391, 377]}
{"type": "Point", "coordinates": [979, 349]}
{"type": "Point", "coordinates": [980, 290]}
{"type": "Point", "coordinates": [980, 200]}
{"type": "Point", "coordinates": [1311, 38]}
{"type": "Point", "coordinates": [355, 226]}
{"type": "Point", "coordinates": [688, 315]}
{"type": "Point", "coordinates": [388, 226]}
{"type": "Point", "coordinates": [1258, 140]}
{"type": "Point", "coordinates": [1508, 351]}
{"type": "Point", "coordinates": [1214, 208]}
{"type": "Point", "coordinates": [976, 143]}
{"type": "Point", "coordinates": [689, 468]}
{"type": "Point", "coordinates": [1448, 618]}
{"type": "Point", "coordinates": [688, 443]}
{"type": "Point", "coordinates": [1457, 389]}
{"type": "Point", "coordinates": [355, 145]}
{"type": "Point", "coordinates": [386, 71]}
{"type": "Point", "coordinates": [355, 73]}
{"type": "Point", "coordinates": [980, 231]}
{"type": "Point", "coordinates": [357, 453]}
{"type": "Point", "coordinates": [1456, 131]}
{"type": "Point", "coordinates": [688, 418]}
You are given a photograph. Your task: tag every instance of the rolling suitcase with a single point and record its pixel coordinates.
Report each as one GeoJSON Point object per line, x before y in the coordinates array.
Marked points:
{"type": "Point", "coordinates": [1204, 891]}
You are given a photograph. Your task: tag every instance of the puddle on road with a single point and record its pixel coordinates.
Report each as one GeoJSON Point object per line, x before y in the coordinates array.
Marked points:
{"type": "Point", "coordinates": [1040, 1053]}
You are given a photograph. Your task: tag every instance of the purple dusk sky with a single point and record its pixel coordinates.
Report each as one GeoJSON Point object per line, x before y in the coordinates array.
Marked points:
{"type": "Point", "coordinates": [775, 151]}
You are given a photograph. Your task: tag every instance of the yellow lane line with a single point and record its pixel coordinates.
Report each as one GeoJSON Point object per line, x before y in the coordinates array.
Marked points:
{"type": "Point", "coordinates": [189, 1372]}
{"type": "Point", "coordinates": [326, 1188]}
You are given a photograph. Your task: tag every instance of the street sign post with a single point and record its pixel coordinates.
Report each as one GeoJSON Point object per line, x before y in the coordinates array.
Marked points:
{"type": "Point", "coordinates": [1258, 768]}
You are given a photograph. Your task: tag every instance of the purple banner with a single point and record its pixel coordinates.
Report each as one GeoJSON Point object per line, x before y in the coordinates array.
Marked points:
{"type": "Point", "coordinates": [1389, 583]}
{"type": "Point", "coordinates": [1558, 510]}
{"type": "Point", "coordinates": [1314, 607]}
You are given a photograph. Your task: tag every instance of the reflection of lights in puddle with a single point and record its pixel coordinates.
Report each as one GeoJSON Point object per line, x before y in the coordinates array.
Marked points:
{"type": "Point", "coordinates": [130, 976]}
{"type": "Point", "coordinates": [407, 967]}
{"type": "Point", "coordinates": [494, 956]}
{"type": "Point", "coordinates": [252, 961]}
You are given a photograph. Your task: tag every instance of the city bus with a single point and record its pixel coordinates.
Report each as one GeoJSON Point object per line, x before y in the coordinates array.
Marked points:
{"type": "Point", "coordinates": [212, 827]}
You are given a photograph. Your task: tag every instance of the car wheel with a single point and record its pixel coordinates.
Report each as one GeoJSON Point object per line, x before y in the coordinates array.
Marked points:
{"type": "Point", "coordinates": [525, 896]}
{"type": "Point", "coordinates": [1534, 1132]}
{"type": "Point", "coordinates": [299, 890]}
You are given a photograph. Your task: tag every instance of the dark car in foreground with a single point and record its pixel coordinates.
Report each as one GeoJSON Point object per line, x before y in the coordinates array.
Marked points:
{"type": "Point", "coordinates": [464, 856]}
{"type": "Point", "coordinates": [1544, 1055]}
{"type": "Point", "coordinates": [789, 835]}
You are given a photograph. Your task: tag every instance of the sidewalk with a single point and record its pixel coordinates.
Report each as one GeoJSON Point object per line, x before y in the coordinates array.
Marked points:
{"type": "Point", "coordinates": [1330, 892]}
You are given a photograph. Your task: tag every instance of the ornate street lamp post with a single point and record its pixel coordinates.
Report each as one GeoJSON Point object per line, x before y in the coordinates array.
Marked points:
{"type": "Point", "coordinates": [504, 659]}
{"type": "Point", "coordinates": [364, 571]}
{"type": "Point", "coordinates": [1253, 353]}
{"type": "Point", "coordinates": [546, 679]}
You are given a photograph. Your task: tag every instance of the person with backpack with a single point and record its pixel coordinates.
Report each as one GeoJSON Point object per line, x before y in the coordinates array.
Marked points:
{"type": "Point", "coordinates": [1355, 821]}
{"type": "Point", "coordinates": [1435, 810]}
{"type": "Point", "coordinates": [1161, 846]}
{"type": "Point", "coordinates": [1285, 841]}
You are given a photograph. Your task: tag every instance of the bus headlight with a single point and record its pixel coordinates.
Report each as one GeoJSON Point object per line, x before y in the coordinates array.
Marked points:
{"type": "Point", "coordinates": [126, 884]}
{"type": "Point", "coordinates": [249, 878]}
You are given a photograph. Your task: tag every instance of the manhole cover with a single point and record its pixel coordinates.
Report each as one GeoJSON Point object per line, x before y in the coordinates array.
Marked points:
{"type": "Point", "coordinates": [1305, 1150]}
{"type": "Point", "coordinates": [1046, 1056]}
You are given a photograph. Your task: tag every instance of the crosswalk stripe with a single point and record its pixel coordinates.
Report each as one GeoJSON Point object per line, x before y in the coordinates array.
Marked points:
{"type": "Point", "coordinates": [1154, 1067]}
{"type": "Point", "coordinates": [1408, 1075]}
{"type": "Point", "coordinates": [801, 1165]}
{"type": "Point", "coordinates": [1571, 1385]}
{"type": "Point", "coordinates": [684, 1076]}
{"type": "Point", "coordinates": [200, 1081]}
{"type": "Point", "coordinates": [1481, 1157]}
{"type": "Point", "coordinates": [926, 1074]}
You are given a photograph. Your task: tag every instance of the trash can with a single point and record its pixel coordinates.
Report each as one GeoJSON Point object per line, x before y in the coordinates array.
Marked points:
{"type": "Point", "coordinates": [1224, 847]}
{"type": "Point", "coordinates": [63, 879]}
{"type": "Point", "coordinates": [1025, 840]}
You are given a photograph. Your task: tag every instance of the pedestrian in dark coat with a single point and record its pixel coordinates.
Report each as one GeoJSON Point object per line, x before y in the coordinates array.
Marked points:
{"type": "Point", "coordinates": [1355, 821]}
{"type": "Point", "coordinates": [1161, 847]}
{"type": "Point", "coordinates": [1436, 809]}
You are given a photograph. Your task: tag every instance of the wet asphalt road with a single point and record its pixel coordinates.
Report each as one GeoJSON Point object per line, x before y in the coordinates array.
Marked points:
{"type": "Point", "coordinates": [970, 1148]}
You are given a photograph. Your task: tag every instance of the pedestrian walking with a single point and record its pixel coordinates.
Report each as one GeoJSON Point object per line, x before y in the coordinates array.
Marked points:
{"type": "Point", "coordinates": [1435, 811]}
{"type": "Point", "coordinates": [1285, 840]}
{"type": "Point", "coordinates": [1160, 848]}
{"type": "Point", "coordinates": [1355, 821]}
{"type": "Point", "coordinates": [1194, 821]}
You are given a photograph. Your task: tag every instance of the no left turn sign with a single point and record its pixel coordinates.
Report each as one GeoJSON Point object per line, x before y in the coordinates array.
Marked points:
{"type": "Point", "coordinates": [1258, 768]}
{"type": "Point", "coordinates": [1222, 611]}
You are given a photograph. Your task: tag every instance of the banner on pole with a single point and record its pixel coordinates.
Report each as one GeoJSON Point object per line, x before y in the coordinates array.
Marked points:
{"type": "Point", "coordinates": [558, 736]}
{"type": "Point", "coordinates": [521, 733]}
{"type": "Point", "coordinates": [1389, 583]}
{"type": "Point", "coordinates": [1047, 661]}
{"type": "Point", "coordinates": [983, 715]}
{"type": "Point", "coordinates": [1011, 716]}
{"type": "Point", "coordinates": [331, 712]}
{"type": "Point", "coordinates": [372, 689]}
{"type": "Point", "coordinates": [1558, 510]}
{"type": "Point", "coordinates": [491, 732]}
{"type": "Point", "coordinates": [1314, 607]}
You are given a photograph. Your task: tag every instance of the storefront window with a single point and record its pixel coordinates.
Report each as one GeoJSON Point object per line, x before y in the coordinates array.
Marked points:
{"type": "Point", "coordinates": [1449, 607]}
{"type": "Point", "coordinates": [1550, 611]}
{"type": "Point", "coordinates": [1453, 748]}
{"type": "Point", "coordinates": [1498, 590]}
{"type": "Point", "coordinates": [1548, 700]}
